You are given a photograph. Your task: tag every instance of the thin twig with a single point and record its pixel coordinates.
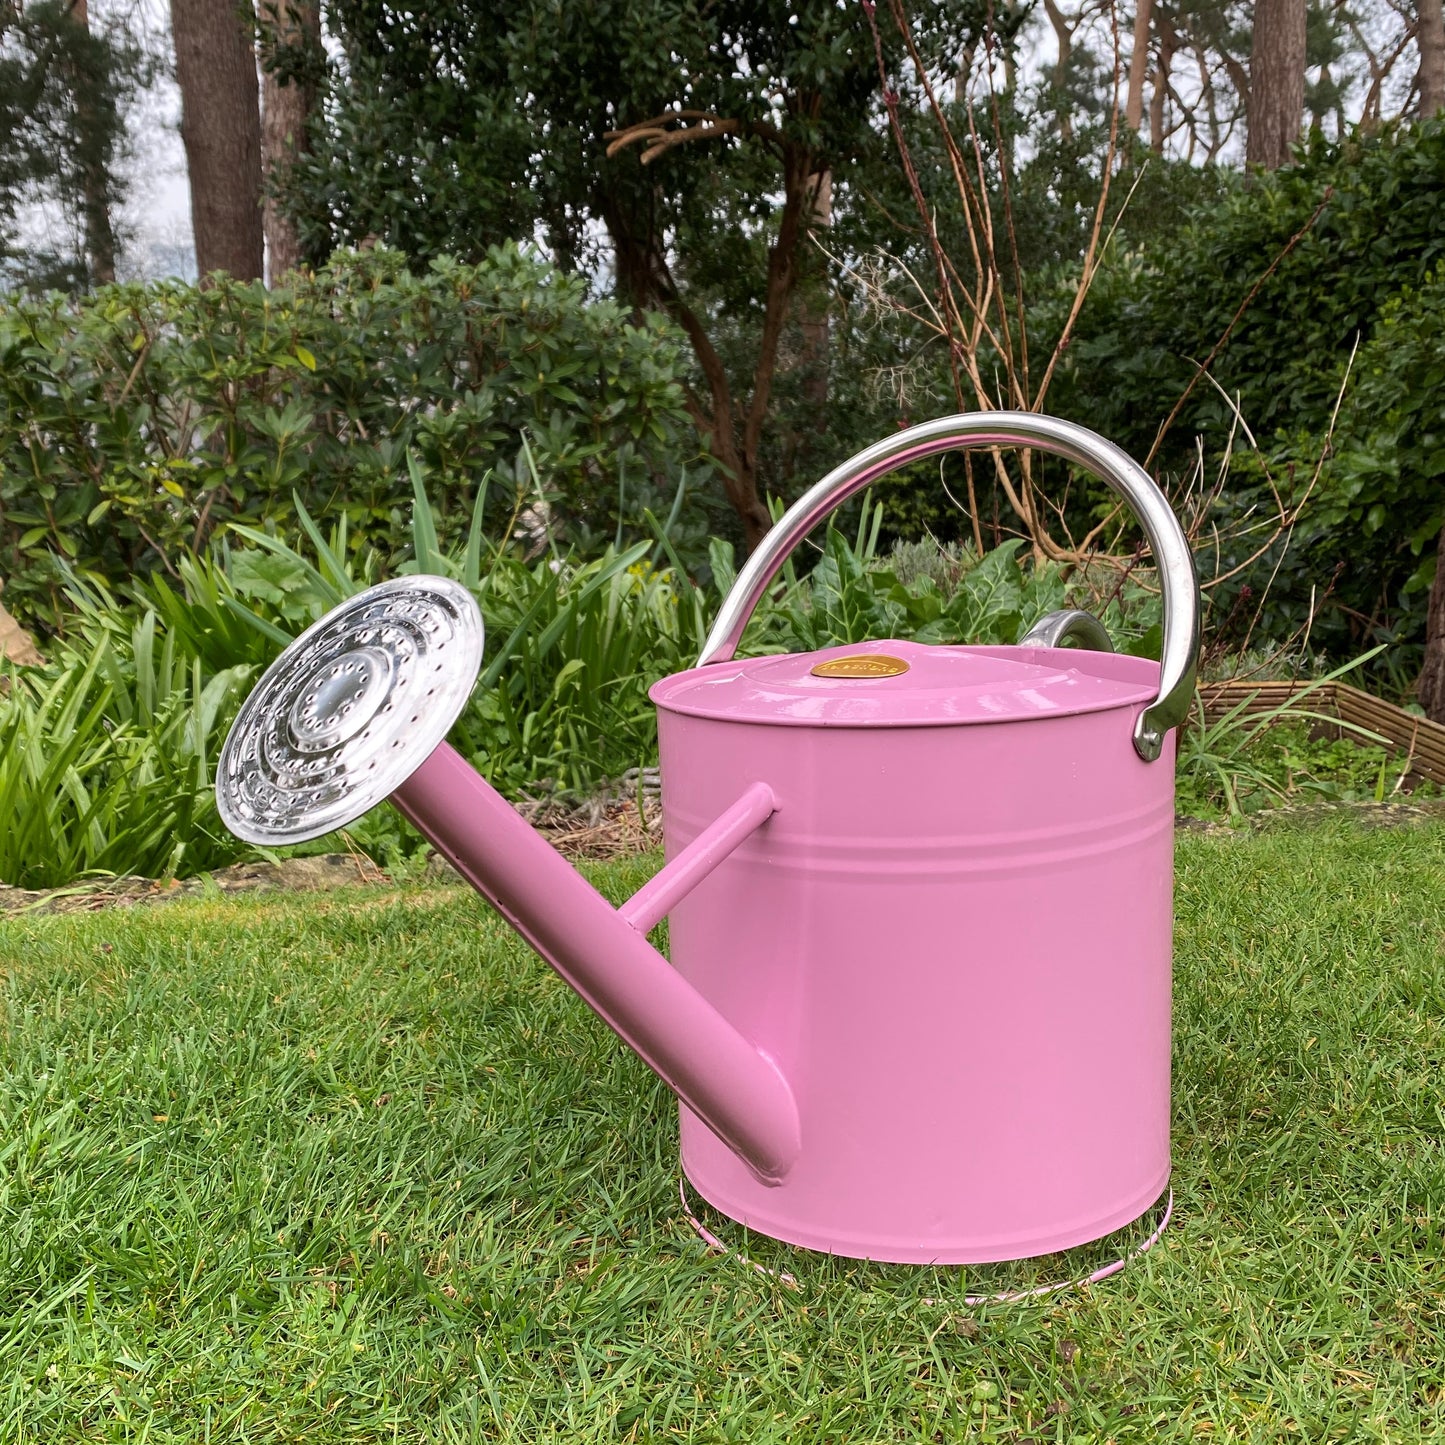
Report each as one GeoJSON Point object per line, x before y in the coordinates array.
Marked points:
{"type": "Point", "coordinates": [1234, 321]}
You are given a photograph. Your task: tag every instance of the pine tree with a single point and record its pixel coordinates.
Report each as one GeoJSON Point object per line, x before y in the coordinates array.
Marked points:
{"type": "Point", "coordinates": [1276, 82]}
{"type": "Point", "coordinates": [64, 88]}
{"type": "Point", "coordinates": [221, 131]}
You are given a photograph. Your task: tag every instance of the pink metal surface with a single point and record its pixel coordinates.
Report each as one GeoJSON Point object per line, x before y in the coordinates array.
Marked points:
{"type": "Point", "coordinates": [723, 1077]}
{"type": "Point", "coordinates": [955, 943]}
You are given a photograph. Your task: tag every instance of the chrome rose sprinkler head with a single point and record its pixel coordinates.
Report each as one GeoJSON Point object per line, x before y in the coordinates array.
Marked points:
{"type": "Point", "coordinates": [350, 710]}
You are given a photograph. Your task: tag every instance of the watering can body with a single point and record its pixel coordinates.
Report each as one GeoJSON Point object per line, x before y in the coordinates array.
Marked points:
{"type": "Point", "coordinates": [917, 1007]}
{"type": "Point", "coordinates": [954, 940]}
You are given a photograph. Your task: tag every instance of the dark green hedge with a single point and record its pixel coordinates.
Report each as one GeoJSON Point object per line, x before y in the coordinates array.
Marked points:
{"type": "Point", "coordinates": [1154, 315]}
{"type": "Point", "coordinates": [1364, 273]}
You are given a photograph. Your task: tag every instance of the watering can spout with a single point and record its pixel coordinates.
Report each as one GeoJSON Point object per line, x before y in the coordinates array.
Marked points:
{"type": "Point", "coordinates": [603, 952]}
{"type": "Point", "coordinates": [357, 708]}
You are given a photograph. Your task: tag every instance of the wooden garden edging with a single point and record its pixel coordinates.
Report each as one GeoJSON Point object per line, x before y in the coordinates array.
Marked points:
{"type": "Point", "coordinates": [1419, 739]}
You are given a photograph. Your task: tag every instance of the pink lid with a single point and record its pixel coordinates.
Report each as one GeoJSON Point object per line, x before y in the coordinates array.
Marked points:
{"type": "Point", "coordinates": [909, 684]}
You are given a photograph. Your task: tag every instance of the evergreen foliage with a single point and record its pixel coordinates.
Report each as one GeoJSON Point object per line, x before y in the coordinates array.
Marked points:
{"type": "Point", "coordinates": [1355, 233]}
{"type": "Point", "coordinates": [135, 422]}
{"type": "Point", "coordinates": [1369, 215]}
{"type": "Point", "coordinates": [447, 129]}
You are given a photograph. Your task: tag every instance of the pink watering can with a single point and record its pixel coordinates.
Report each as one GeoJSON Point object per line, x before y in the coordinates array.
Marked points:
{"type": "Point", "coordinates": [919, 896]}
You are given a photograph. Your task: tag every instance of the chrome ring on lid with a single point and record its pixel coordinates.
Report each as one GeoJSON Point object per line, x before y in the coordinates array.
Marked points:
{"type": "Point", "coordinates": [1053, 629]}
{"type": "Point", "coordinates": [350, 710]}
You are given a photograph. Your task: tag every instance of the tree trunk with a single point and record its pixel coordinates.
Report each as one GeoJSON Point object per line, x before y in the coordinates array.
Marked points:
{"type": "Point", "coordinates": [1431, 689]}
{"type": "Point", "coordinates": [961, 75]}
{"type": "Point", "coordinates": [221, 130]}
{"type": "Point", "coordinates": [740, 477]}
{"type": "Point", "coordinates": [1064, 34]}
{"type": "Point", "coordinates": [1138, 66]}
{"type": "Point", "coordinates": [293, 27]}
{"type": "Point", "coordinates": [733, 428]}
{"type": "Point", "coordinates": [1211, 104]}
{"type": "Point", "coordinates": [1431, 39]}
{"type": "Point", "coordinates": [1161, 87]}
{"type": "Point", "coordinates": [1276, 104]}
{"type": "Point", "coordinates": [95, 180]}
{"type": "Point", "coordinates": [799, 196]}
{"type": "Point", "coordinates": [643, 277]}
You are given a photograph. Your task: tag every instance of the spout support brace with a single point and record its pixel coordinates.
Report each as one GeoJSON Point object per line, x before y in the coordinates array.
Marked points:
{"type": "Point", "coordinates": [730, 1084]}
{"type": "Point", "coordinates": [656, 898]}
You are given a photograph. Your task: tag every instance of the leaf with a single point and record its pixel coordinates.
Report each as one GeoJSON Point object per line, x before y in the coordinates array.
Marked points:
{"type": "Point", "coordinates": [569, 670]}
{"type": "Point", "coordinates": [269, 576]}
{"type": "Point", "coordinates": [721, 561]}
{"type": "Point", "coordinates": [304, 356]}
{"type": "Point", "coordinates": [340, 583]}
{"type": "Point", "coordinates": [1149, 645]}
{"type": "Point", "coordinates": [268, 629]}
{"type": "Point", "coordinates": [423, 525]}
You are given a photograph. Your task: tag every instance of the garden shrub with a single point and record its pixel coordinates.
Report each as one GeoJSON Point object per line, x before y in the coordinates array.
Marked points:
{"type": "Point", "coordinates": [1385, 485]}
{"type": "Point", "coordinates": [106, 754]}
{"type": "Point", "coordinates": [1363, 554]}
{"type": "Point", "coordinates": [1351, 571]}
{"type": "Point", "coordinates": [1154, 314]}
{"type": "Point", "coordinates": [138, 420]}
{"type": "Point", "coordinates": [107, 751]}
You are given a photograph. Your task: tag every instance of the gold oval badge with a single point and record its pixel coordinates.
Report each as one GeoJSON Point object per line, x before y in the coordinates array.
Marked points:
{"type": "Point", "coordinates": [861, 664]}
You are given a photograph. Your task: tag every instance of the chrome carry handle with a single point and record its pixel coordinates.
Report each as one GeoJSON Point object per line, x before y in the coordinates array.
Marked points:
{"type": "Point", "coordinates": [1077, 444]}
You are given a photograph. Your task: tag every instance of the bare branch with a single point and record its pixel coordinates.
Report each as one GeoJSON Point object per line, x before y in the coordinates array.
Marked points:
{"type": "Point", "coordinates": [1234, 321]}
{"type": "Point", "coordinates": [662, 132]}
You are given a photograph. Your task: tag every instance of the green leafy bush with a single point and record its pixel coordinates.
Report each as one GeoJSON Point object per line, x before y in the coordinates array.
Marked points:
{"type": "Point", "coordinates": [1362, 556]}
{"type": "Point", "coordinates": [1385, 485]}
{"type": "Point", "coordinates": [950, 596]}
{"type": "Point", "coordinates": [573, 645]}
{"type": "Point", "coordinates": [106, 753]}
{"type": "Point", "coordinates": [136, 422]}
{"type": "Point", "coordinates": [1367, 218]}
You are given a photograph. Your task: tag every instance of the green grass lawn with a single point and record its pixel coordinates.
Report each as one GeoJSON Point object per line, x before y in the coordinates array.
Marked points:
{"type": "Point", "coordinates": [359, 1168]}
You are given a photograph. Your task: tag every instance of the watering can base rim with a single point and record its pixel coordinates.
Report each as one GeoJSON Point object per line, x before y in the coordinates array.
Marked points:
{"type": "Point", "coordinates": [956, 1250]}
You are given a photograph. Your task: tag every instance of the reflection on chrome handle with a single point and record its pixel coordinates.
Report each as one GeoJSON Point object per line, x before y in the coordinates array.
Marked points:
{"type": "Point", "coordinates": [1000, 429]}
